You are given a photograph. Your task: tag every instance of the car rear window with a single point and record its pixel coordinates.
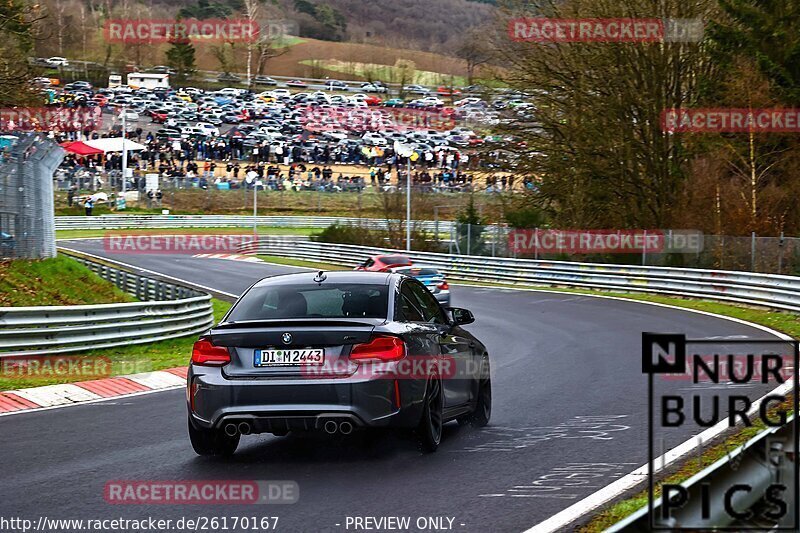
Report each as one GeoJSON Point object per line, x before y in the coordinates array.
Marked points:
{"type": "Point", "coordinates": [312, 301]}
{"type": "Point", "coordinates": [395, 259]}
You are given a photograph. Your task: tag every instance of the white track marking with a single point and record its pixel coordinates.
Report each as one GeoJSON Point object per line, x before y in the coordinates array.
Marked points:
{"type": "Point", "coordinates": [99, 400]}
{"type": "Point", "coordinates": [51, 395]}
{"type": "Point", "coordinates": [157, 380]}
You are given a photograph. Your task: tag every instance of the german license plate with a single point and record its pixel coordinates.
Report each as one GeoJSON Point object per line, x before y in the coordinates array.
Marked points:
{"type": "Point", "coordinates": [312, 356]}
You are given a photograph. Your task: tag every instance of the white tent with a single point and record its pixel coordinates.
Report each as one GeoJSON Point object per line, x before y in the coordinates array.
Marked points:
{"type": "Point", "coordinates": [115, 145]}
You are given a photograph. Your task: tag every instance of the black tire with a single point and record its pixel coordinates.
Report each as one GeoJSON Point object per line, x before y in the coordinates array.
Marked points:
{"type": "Point", "coordinates": [482, 413]}
{"type": "Point", "coordinates": [429, 430]}
{"type": "Point", "coordinates": [212, 441]}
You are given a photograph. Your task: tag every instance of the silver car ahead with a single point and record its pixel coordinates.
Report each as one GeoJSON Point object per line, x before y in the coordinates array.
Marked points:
{"type": "Point", "coordinates": [336, 352]}
{"type": "Point", "coordinates": [431, 277]}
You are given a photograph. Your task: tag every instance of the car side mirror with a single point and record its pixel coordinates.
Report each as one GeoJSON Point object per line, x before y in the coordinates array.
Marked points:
{"type": "Point", "coordinates": [461, 316]}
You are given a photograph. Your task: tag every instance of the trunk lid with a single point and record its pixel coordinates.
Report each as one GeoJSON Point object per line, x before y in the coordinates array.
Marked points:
{"type": "Point", "coordinates": [335, 337]}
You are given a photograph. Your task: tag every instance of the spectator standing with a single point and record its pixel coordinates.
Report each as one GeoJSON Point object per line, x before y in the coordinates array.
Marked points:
{"type": "Point", "coordinates": [71, 194]}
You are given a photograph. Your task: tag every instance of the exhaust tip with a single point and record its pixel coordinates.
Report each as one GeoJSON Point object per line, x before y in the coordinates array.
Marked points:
{"type": "Point", "coordinates": [330, 427]}
{"type": "Point", "coordinates": [346, 428]}
{"type": "Point", "coordinates": [230, 429]}
{"type": "Point", "coordinates": [244, 428]}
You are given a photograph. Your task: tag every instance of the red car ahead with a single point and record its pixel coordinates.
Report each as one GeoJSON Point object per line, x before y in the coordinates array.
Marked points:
{"type": "Point", "coordinates": [158, 118]}
{"type": "Point", "coordinates": [447, 91]}
{"type": "Point", "coordinates": [382, 263]}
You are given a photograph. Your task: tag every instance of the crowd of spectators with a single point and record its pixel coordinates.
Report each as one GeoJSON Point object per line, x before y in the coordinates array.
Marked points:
{"type": "Point", "coordinates": [226, 163]}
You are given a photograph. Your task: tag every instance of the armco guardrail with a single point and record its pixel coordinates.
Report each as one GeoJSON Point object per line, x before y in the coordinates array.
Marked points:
{"type": "Point", "coordinates": [233, 221]}
{"type": "Point", "coordinates": [765, 459]}
{"type": "Point", "coordinates": [766, 290]}
{"type": "Point", "coordinates": [168, 311]}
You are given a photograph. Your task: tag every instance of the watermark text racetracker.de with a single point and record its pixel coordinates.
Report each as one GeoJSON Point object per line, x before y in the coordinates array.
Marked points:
{"type": "Point", "coordinates": [604, 30]}
{"type": "Point", "coordinates": [46, 367]}
{"type": "Point", "coordinates": [201, 492]}
{"type": "Point", "coordinates": [50, 118]}
{"type": "Point", "coordinates": [144, 243]}
{"type": "Point", "coordinates": [629, 241]}
{"type": "Point", "coordinates": [731, 120]}
{"type": "Point", "coordinates": [407, 367]}
{"type": "Point", "coordinates": [339, 118]}
{"type": "Point", "coordinates": [146, 31]}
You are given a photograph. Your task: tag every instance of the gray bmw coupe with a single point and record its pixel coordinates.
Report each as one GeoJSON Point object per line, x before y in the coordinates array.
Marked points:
{"type": "Point", "coordinates": [336, 352]}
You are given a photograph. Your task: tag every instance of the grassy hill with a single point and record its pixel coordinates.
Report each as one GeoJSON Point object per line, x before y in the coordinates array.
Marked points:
{"type": "Point", "coordinates": [59, 281]}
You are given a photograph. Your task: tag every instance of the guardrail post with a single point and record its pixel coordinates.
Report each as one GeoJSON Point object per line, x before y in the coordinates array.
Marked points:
{"type": "Point", "coordinates": [452, 238]}
{"type": "Point", "coordinates": [494, 238]}
{"type": "Point", "coordinates": [644, 249]}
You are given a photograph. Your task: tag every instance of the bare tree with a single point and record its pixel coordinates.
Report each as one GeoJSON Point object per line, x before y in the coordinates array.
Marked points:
{"type": "Point", "coordinates": [594, 134]}
{"type": "Point", "coordinates": [251, 10]}
{"type": "Point", "coordinates": [474, 50]}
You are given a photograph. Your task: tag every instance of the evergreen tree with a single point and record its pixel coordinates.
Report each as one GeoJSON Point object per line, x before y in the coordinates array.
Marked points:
{"type": "Point", "coordinates": [768, 32]}
{"type": "Point", "coordinates": [181, 57]}
{"type": "Point", "coordinates": [16, 41]}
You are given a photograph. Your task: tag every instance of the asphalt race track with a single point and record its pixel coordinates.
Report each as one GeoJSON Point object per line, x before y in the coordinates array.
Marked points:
{"type": "Point", "coordinates": [569, 396]}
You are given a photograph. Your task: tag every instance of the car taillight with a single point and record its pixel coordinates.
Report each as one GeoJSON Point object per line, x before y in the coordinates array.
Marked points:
{"type": "Point", "coordinates": [205, 353]}
{"type": "Point", "coordinates": [443, 286]}
{"type": "Point", "coordinates": [381, 348]}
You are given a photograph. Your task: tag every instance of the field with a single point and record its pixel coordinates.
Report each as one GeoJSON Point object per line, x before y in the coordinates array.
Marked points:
{"type": "Point", "coordinates": [303, 203]}
{"type": "Point", "coordinates": [388, 73]}
{"type": "Point", "coordinates": [311, 58]}
{"type": "Point", "coordinates": [299, 57]}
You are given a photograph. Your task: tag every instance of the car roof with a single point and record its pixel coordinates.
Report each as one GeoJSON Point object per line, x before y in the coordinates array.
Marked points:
{"type": "Point", "coordinates": [342, 276]}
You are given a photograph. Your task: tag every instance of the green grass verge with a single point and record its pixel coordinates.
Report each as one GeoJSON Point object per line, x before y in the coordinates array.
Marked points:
{"type": "Point", "coordinates": [278, 260]}
{"type": "Point", "coordinates": [262, 230]}
{"type": "Point", "coordinates": [57, 281]}
{"type": "Point", "coordinates": [123, 360]}
{"type": "Point", "coordinates": [287, 41]}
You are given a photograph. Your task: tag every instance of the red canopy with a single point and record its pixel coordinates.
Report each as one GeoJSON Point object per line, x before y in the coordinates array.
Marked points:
{"type": "Point", "coordinates": [80, 148]}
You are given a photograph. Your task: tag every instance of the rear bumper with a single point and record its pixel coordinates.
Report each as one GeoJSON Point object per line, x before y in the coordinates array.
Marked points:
{"type": "Point", "coordinates": [275, 422]}
{"type": "Point", "coordinates": [301, 404]}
